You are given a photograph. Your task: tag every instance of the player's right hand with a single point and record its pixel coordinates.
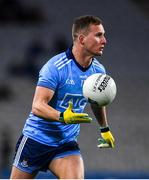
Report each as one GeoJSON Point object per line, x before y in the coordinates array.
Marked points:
{"type": "Point", "coordinates": [70, 117]}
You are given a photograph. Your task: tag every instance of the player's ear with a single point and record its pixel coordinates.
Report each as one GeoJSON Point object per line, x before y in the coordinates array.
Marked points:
{"type": "Point", "coordinates": [81, 39]}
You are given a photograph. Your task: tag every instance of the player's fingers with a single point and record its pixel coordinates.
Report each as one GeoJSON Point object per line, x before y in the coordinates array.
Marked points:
{"type": "Point", "coordinates": [81, 115]}
{"type": "Point", "coordinates": [81, 120]}
{"type": "Point", "coordinates": [112, 143]}
{"type": "Point", "coordinates": [84, 119]}
{"type": "Point", "coordinates": [103, 144]}
{"type": "Point", "coordinates": [70, 105]}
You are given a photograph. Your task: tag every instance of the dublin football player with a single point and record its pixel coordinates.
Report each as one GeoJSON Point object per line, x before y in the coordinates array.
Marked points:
{"type": "Point", "coordinates": [49, 136]}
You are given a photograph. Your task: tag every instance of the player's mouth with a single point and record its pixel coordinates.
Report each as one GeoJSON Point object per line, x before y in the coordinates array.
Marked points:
{"type": "Point", "coordinates": [101, 49]}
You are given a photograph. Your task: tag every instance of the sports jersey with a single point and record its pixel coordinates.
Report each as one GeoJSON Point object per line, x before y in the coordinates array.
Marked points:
{"type": "Point", "coordinates": [65, 77]}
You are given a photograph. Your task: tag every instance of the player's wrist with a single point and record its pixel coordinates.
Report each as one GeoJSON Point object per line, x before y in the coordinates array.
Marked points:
{"type": "Point", "coordinates": [104, 129]}
{"type": "Point", "coordinates": [61, 117]}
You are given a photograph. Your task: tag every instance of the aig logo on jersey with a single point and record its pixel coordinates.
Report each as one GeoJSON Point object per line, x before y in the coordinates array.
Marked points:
{"type": "Point", "coordinates": [70, 81]}
{"type": "Point", "coordinates": [78, 101]}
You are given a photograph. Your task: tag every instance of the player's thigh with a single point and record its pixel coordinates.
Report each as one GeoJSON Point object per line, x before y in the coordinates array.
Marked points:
{"type": "Point", "coordinates": [18, 174]}
{"type": "Point", "coordinates": [68, 167]}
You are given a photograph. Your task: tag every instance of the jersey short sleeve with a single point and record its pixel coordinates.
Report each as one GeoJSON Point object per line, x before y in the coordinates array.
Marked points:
{"type": "Point", "coordinates": [48, 76]}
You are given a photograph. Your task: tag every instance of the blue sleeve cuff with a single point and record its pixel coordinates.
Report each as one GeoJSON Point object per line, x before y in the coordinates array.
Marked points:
{"type": "Point", "coordinates": [42, 84]}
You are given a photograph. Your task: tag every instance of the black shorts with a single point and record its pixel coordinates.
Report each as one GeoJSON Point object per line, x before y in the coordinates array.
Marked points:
{"type": "Point", "coordinates": [32, 156]}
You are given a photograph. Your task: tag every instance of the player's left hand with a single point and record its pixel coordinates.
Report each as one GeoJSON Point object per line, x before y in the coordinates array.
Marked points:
{"type": "Point", "coordinates": [108, 139]}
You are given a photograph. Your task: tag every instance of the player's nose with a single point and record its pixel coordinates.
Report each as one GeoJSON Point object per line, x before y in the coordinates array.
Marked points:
{"type": "Point", "coordinates": [104, 41]}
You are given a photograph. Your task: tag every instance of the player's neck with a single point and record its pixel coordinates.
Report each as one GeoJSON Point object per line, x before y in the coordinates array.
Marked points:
{"type": "Point", "coordinates": [83, 59]}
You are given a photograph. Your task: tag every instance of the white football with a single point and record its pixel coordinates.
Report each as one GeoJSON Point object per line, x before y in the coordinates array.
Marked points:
{"type": "Point", "coordinates": [99, 88]}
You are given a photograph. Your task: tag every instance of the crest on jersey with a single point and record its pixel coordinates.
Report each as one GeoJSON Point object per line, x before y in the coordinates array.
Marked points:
{"type": "Point", "coordinates": [24, 163]}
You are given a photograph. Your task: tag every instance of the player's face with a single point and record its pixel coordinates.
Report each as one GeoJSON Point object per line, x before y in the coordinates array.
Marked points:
{"type": "Point", "coordinates": [95, 40]}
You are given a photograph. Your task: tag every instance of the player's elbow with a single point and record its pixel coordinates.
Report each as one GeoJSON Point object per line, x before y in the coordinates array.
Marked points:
{"type": "Point", "coordinates": [36, 109]}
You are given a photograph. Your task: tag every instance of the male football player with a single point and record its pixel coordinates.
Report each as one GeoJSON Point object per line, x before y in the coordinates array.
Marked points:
{"type": "Point", "coordinates": [49, 137]}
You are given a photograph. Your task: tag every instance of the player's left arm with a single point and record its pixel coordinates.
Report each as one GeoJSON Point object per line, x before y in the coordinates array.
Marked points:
{"type": "Point", "coordinates": [101, 116]}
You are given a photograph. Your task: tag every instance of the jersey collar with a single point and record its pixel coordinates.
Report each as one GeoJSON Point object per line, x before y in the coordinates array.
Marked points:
{"type": "Point", "coordinates": [70, 55]}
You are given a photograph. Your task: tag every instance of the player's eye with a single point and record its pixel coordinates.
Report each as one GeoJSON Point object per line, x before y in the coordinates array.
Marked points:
{"type": "Point", "coordinates": [99, 35]}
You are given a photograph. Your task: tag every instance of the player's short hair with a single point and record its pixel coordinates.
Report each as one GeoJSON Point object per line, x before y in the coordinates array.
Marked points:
{"type": "Point", "coordinates": [82, 24]}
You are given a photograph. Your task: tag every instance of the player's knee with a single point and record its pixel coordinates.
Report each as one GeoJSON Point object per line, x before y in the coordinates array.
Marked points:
{"type": "Point", "coordinates": [72, 176]}
{"type": "Point", "coordinates": [78, 176]}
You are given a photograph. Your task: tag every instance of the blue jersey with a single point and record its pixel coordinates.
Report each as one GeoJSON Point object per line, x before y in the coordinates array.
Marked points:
{"type": "Point", "coordinates": [65, 77]}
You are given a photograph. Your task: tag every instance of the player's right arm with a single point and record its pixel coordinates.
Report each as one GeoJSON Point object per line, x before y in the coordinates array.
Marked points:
{"type": "Point", "coordinates": [40, 105]}
{"type": "Point", "coordinates": [41, 108]}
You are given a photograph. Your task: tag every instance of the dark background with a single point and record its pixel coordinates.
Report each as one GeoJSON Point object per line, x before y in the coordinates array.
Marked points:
{"type": "Point", "coordinates": [33, 31]}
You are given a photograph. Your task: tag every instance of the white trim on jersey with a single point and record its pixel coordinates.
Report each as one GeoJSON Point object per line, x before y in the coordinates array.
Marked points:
{"type": "Point", "coordinates": [19, 151]}
{"type": "Point", "coordinates": [63, 57]}
{"type": "Point", "coordinates": [96, 63]}
{"type": "Point", "coordinates": [64, 64]}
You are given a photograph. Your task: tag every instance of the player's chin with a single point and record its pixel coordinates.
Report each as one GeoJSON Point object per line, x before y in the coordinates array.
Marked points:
{"type": "Point", "coordinates": [99, 53]}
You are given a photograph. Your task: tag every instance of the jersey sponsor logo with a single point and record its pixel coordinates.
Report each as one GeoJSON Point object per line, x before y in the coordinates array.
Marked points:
{"type": "Point", "coordinates": [78, 101]}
